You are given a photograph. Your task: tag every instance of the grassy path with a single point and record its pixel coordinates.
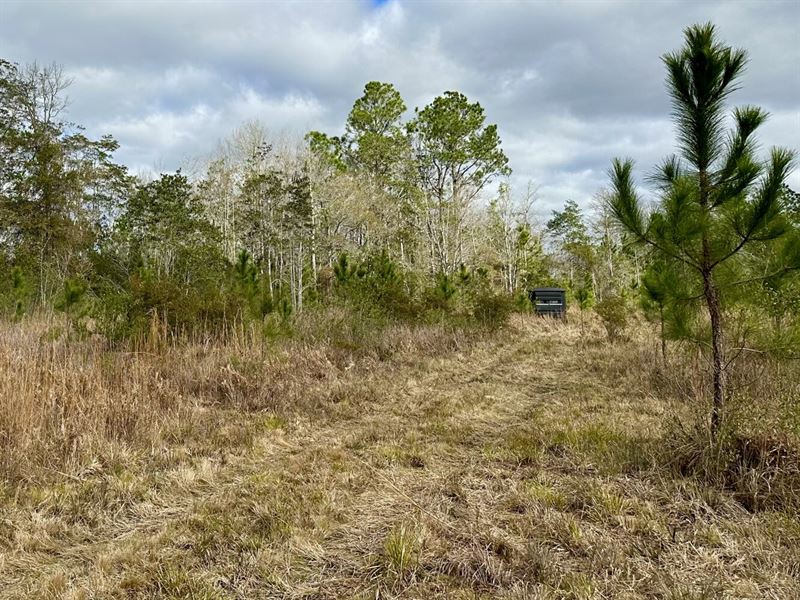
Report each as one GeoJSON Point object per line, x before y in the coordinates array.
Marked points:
{"type": "Point", "coordinates": [510, 468]}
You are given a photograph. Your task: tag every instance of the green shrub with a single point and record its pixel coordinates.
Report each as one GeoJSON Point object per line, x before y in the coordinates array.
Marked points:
{"type": "Point", "coordinates": [613, 312]}
{"type": "Point", "coordinates": [19, 293]}
{"type": "Point", "coordinates": [376, 285]}
{"type": "Point", "coordinates": [441, 297]}
{"type": "Point", "coordinates": [73, 292]}
{"type": "Point", "coordinates": [491, 309]}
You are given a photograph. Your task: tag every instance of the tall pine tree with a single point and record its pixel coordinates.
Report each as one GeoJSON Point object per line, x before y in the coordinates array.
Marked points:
{"type": "Point", "coordinates": [715, 199]}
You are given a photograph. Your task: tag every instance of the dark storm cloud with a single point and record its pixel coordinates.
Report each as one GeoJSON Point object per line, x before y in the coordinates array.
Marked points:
{"type": "Point", "coordinates": [570, 84]}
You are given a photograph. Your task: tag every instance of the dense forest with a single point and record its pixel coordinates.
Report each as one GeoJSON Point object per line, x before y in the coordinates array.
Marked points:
{"type": "Point", "coordinates": [412, 216]}
{"type": "Point", "coordinates": [406, 221]}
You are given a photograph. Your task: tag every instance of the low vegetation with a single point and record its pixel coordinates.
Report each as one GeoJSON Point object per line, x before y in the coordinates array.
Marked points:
{"type": "Point", "coordinates": [537, 461]}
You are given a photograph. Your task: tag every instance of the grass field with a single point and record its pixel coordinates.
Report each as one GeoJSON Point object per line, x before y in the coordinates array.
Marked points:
{"type": "Point", "coordinates": [527, 463]}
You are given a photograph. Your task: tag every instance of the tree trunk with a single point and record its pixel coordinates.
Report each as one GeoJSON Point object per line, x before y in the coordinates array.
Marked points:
{"type": "Point", "coordinates": [718, 369]}
{"type": "Point", "coordinates": [300, 279]}
{"type": "Point", "coordinates": [715, 315]}
{"type": "Point", "coordinates": [314, 248]}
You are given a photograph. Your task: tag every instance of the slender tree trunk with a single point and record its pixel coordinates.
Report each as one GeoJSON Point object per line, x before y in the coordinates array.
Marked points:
{"type": "Point", "coordinates": [718, 370]}
{"type": "Point", "coordinates": [313, 248]}
{"type": "Point", "coordinates": [715, 316]}
{"type": "Point", "coordinates": [269, 273]}
{"type": "Point", "coordinates": [42, 283]}
{"type": "Point", "coordinates": [300, 278]}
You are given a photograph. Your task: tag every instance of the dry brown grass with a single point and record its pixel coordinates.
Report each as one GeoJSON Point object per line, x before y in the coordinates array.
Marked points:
{"type": "Point", "coordinates": [425, 464]}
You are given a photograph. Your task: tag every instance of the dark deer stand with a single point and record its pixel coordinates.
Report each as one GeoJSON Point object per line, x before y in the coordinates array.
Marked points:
{"type": "Point", "coordinates": [549, 302]}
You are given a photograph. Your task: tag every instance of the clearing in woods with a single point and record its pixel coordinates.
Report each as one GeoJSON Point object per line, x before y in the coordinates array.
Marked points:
{"type": "Point", "coordinates": [513, 466]}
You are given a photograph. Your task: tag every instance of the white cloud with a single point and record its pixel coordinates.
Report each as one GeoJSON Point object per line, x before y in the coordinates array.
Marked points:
{"type": "Point", "coordinates": [570, 85]}
{"type": "Point", "coordinates": [292, 111]}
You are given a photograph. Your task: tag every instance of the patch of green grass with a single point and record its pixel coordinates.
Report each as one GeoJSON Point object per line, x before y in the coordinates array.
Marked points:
{"type": "Point", "coordinates": [408, 455]}
{"type": "Point", "coordinates": [172, 582]}
{"type": "Point", "coordinates": [402, 551]}
{"type": "Point", "coordinates": [576, 586]}
{"type": "Point", "coordinates": [273, 421]}
{"type": "Point", "coordinates": [524, 448]}
{"type": "Point", "coordinates": [545, 495]}
{"type": "Point", "coordinates": [607, 449]}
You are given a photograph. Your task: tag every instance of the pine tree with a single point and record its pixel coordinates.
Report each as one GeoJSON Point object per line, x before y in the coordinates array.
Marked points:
{"type": "Point", "coordinates": [716, 199]}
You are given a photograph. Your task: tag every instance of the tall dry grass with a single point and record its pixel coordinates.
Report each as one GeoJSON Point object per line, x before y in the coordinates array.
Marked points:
{"type": "Point", "coordinates": [68, 401]}
{"type": "Point", "coordinates": [65, 400]}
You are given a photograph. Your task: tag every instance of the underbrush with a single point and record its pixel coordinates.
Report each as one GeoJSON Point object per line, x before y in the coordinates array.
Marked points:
{"type": "Point", "coordinates": [756, 455]}
{"type": "Point", "coordinates": [403, 460]}
{"type": "Point", "coordinates": [71, 401]}
{"type": "Point", "coordinates": [761, 470]}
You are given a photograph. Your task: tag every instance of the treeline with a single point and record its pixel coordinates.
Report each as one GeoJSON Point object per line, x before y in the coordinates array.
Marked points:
{"type": "Point", "coordinates": [401, 217]}
{"type": "Point", "coordinates": [390, 215]}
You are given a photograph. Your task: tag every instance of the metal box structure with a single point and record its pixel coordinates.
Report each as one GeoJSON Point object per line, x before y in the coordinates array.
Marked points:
{"type": "Point", "coordinates": [549, 301]}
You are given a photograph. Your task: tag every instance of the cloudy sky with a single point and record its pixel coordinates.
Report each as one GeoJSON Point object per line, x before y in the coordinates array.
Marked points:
{"type": "Point", "coordinates": [570, 84]}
